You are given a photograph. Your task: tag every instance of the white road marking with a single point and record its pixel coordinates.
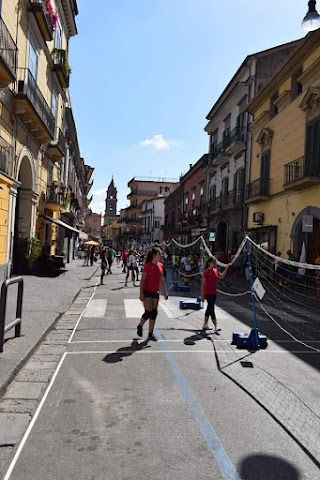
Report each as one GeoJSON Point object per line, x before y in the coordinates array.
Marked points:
{"type": "Point", "coordinates": [133, 307]}
{"type": "Point", "coordinates": [96, 308]}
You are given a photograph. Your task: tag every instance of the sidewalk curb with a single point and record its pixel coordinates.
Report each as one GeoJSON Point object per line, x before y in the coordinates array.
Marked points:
{"type": "Point", "coordinates": [4, 386]}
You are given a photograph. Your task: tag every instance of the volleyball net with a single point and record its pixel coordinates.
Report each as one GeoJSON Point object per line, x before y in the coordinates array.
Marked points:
{"type": "Point", "coordinates": [286, 292]}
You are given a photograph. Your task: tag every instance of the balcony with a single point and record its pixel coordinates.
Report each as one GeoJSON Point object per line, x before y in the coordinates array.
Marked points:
{"type": "Point", "coordinates": [6, 160]}
{"type": "Point", "coordinates": [236, 141]}
{"type": "Point", "coordinates": [8, 51]}
{"type": "Point", "coordinates": [44, 17]}
{"type": "Point", "coordinates": [55, 198]}
{"type": "Point", "coordinates": [215, 204]}
{"type": "Point", "coordinates": [32, 109]}
{"type": "Point", "coordinates": [61, 66]}
{"type": "Point", "coordinates": [220, 154]}
{"type": "Point", "coordinates": [57, 148]}
{"type": "Point", "coordinates": [257, 191]}
{"type": "Point", "coordinates": [302, 173]}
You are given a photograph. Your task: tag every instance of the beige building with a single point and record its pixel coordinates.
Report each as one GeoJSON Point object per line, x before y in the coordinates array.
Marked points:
{"type": "Point", "coordinates": [283, 195]}
{"type": "Point", "coordinates": [141, 189]}
{"type": "Point", "coordinates": [42, 173]}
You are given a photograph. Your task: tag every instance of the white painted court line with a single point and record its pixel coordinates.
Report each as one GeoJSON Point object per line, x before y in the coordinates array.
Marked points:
{"type": "Point", "coordinates": [186, 350]}
{"type": "Point", "coordinates": [33, 421]}
{"type": "Point", "coordinates": [166, 309]}
{"type": "Point", "coordinates": [81, 315]}
{"type": "Point", "coordinates": [133, 307]}
{"type": "Point", "coordinates": [96, 308]}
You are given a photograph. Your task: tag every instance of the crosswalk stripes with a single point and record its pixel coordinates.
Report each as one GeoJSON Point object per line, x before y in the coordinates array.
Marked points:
{"type": "Point", "coordinates": [96, 308]}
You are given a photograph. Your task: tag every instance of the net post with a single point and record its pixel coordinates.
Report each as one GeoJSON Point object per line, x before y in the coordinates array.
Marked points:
{"type": "Point", "coordinates": [254, 336]}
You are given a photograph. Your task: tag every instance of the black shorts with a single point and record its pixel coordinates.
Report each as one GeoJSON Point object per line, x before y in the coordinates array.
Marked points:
{"type": "Point", "coordinates": [151, 295]}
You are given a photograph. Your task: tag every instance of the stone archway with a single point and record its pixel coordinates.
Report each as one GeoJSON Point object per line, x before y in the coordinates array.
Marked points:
{"type": "Point", "coordinates": [24, 209]}
{"type": "Point", "coordinates": [312, 240]}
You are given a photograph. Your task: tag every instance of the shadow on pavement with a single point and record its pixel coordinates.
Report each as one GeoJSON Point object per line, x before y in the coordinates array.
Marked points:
{"type": "Point", "coordinates": [268, 467]}
{"type": "Point", "coordinates": [122, 352]}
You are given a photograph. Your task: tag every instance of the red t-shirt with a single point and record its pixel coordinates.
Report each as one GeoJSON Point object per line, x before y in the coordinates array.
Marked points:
{"type": "Point", "coordinates": [211, 277]}
{"type": "Point", "coordinates": [154, 273]}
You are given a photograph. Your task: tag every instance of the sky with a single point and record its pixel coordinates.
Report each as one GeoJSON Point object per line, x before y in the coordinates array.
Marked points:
{"type": "Point", "coordinates": [145, 74]}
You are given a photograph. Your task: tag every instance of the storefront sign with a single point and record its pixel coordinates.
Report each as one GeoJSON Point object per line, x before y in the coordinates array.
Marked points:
{"type": "Point", "coordinates": [212, 236]}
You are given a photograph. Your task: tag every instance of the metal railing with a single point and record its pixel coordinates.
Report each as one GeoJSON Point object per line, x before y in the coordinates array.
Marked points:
{"type": "Point", "coordinates": [236, 134]}
{"type": "Point", "coordinates": [47, 15]}
{"type": "Point", "coordinates": [6, 159]}
{"type": "Point", "coordinates": [258, 187]}
{"type": "Point", "coordinates": [27, 86]}
{"type": "Point", "coordinates": [306, 166]}
{"type": "Point", "coordinates": [3, 306]}
{"type": "Point", "coordinates": [8, 48]}
{"type": "Point", "coordinates": [59, 140]}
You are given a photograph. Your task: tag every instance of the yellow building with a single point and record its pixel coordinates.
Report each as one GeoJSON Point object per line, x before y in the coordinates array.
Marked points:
{"type": "Point", "coordinates": [283, 195]}
{"type": "Point", "coordinates": [41, 172]}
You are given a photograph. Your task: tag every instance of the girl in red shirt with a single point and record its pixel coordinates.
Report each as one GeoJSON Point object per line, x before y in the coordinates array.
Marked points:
{"type": "Point", "coordinates": [210, 277]}
{"type": "Point", "coordinates": [151, 281]}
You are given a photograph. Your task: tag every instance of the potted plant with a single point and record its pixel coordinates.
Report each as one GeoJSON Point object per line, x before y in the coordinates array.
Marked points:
{"type": "Point", "coordinates": [34, 250]}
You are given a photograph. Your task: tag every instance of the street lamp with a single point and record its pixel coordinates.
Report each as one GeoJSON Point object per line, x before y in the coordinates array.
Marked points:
{"type": "Point", "coordinates": [311, 21]}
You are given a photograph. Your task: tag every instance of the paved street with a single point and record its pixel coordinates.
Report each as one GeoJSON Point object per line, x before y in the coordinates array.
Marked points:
{"type": "Point", "coordinates": [96, 401]}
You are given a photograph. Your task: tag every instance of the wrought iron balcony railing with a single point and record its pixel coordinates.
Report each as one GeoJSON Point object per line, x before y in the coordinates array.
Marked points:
{"type": "Point", "coordinates": [302, 168]}
{"type": "Point", "coordinates": [44, 17]}
{"type": "Point", "coordinates": [8, 53]}
{"type": "Point", "coordinates": [28, 89]}
{"type": "Point", "coordinates": [259, 187]}
{"type": "Point", "coordinates": [6, 160]}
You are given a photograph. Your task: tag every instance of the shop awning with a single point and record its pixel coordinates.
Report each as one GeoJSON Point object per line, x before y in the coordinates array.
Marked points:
{"type": "Point", "coordinates": [62, 224]}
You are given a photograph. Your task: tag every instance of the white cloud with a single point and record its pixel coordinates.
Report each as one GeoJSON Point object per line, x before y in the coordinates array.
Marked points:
{"type": "Point", "coordinates": [158, 142]}
{"type": "Point", "coordinates": [99, 193]}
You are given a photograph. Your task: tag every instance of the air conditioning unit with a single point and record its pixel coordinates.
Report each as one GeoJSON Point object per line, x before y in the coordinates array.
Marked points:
{"type": "Point", "coordinates": [258, 217]}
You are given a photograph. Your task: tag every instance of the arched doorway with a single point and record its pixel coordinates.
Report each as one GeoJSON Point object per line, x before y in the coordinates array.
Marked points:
{"type": "Point", "coordinates": [24, 217]}
{"type": "Point", "coordinates": [312, 240]}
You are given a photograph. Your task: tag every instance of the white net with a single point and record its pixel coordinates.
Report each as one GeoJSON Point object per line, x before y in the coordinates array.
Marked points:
{"type": "Point", "coordinates": [292, 289]}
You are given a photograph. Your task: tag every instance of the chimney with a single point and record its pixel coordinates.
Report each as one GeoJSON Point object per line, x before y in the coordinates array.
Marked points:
{"type": "Point", "coordinates": [190, 165]}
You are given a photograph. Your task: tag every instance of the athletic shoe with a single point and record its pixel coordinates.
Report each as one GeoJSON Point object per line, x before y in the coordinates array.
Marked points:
{"type": "Point", "coordinates": [206, 327]}
{"type": "Point", "coordinates": [152, 337]}
{"type": "Point", "coordinates": [139, 331]}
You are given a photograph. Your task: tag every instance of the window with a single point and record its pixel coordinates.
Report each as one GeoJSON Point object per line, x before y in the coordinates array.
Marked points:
{"type": "Point", "coordinates": [54, 104]}
{"type": "Point", "coordinates": [186, 199]}
{"type": "Point", "coordinates": [312, 148]}
{"type": "Point", "coordinates": [58, 35]}
{"type": "Point", "coordinates": [33, 58]}
{"type": "Point", "coordinates": [226, 133]}
{"type": "Point", "coordinates": [193, 196]}
{"type": "Point", "coordinates": [265, 173]}
{"type": "Point", "coordinates": [225, 186]}
{"type": "Point", "coordinates": [273, 106]}
{"type": "Point", "coordinates": [213, 141]}
{"type": "Point", "coordinates": [296, 87]}
{"type": "Point", "coordinates": [156, 224]}
{"type": "Point", "coordinates": [50, 172]}
{"type": "Point", "coordinates": [201, 194]}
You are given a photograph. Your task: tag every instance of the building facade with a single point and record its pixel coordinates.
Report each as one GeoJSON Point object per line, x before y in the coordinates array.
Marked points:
{"type": "Point", "coordinates": [230, 146]}
{"type": "Point", "coordinates": [283, 195]}
{"type": "Point", "coordinates": [141, 189]}
{"type": "Point", "coordinates": [186, 207]}
{"type": "Point", "coordinates": [37, 159]}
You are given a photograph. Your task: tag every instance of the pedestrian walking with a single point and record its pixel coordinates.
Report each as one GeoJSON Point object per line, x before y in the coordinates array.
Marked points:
{"type": "Point", "coordinates": [130, 268]}
{"type": "Point", "coordinates": [104, 265]}
{"type": "Point", "coordinates": [124, 256]}
{"type": "Point", "coordinates": [92, 254]}
{"type": "Point", "coordinates": [110, 256]}
{"type": "Point", "coordinates": [210, 278]}
{"type": "Point", "coordinates": [151, 282]}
